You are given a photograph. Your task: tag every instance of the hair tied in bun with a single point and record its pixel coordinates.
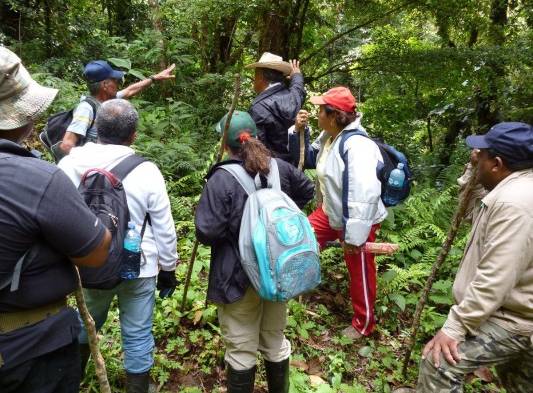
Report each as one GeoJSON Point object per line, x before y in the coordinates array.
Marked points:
{"type": "Point", "coordinates": [244, 136]}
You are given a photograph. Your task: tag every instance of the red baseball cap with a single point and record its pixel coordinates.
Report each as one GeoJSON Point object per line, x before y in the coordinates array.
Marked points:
{"type": "Point", "coordinates": [337, 97]}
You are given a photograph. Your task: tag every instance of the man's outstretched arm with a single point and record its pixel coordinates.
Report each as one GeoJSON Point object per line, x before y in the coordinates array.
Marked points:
{"type": "Point", "coordinates": [137, 87]}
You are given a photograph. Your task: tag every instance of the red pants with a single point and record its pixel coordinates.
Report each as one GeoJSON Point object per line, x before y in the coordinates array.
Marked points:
{"type": "Point", "coordinates": [362, 270]}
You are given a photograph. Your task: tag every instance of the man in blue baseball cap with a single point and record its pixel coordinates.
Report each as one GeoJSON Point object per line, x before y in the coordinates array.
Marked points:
{"type": "Point", "coordinates": [491, 323]}
{"type": "Point", "coordinates": [103, 82]}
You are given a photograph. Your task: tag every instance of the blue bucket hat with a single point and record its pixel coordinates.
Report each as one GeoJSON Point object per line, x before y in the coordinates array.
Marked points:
{"type": "Point", "coordinates": [513, 141]}
{"type": "Point", "coordinates": [99, 70]}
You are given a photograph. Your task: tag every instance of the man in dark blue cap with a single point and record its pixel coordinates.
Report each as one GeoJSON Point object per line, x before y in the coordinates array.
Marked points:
{"type": "Point", "coordinates": [491, 323]}
{"type": "Point", "coordinates": [103, 82]}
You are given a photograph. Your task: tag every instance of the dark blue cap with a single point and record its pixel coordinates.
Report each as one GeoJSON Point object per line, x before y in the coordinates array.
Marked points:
{"type": "Point", "coordinates": [99, 70]}
{"type": "Point", "coordinates": [512, 141]}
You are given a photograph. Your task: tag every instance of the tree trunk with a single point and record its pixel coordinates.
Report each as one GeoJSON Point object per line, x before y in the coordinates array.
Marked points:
{"type": "Point", "coordinates": [488, 108]}
{"type": "Point", "coordinates": [158, 26]}
{"type": "Point", "coordinates": [301, 24]}
{"type": "Point", "coordinates": [9, 21]}
{"type": "Point", "coordinates": [123, 17]}
{"type": "Point", "coordinates": [48, 28]}
{"type": "Point", "coordinates": [274, 29]}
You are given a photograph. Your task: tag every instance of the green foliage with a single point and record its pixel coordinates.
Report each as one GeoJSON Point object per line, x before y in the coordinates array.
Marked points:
{"type": "Point", "coordinates": [425, 74]}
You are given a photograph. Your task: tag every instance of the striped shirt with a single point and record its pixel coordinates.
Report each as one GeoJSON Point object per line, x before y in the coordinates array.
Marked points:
{"type": "Point", "coordinates": [82, 118]}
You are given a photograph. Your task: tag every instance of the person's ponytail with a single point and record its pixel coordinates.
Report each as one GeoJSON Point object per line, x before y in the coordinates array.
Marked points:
{"type": "Point", "coordinates": [255, 156]}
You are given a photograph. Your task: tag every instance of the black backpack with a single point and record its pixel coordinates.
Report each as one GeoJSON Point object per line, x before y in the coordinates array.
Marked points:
{"type": "Point", "coordinates": [57, 124]}
{"type": "Point", "coordinates": [391, 159]}
{"type": "Point", "coordinates": [104, 193]}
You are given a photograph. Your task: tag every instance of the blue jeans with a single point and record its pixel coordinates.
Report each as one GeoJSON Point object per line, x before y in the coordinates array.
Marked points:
{"type": "Point", "coordinates": [136, 300]}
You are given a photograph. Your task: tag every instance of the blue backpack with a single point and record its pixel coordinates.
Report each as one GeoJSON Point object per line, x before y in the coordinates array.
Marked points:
{"type": "Point", "coordinates": [391, 159]}
{"type": "Point", "coordinates": [278, 248]}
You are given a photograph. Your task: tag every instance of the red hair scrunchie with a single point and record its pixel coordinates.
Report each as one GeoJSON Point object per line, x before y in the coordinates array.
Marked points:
{"type": "Point", "coordinates": [244, 136]}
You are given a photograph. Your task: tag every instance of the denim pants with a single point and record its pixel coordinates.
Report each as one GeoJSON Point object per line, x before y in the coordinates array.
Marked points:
{"type": "Point", "coordinates": [136, 299]}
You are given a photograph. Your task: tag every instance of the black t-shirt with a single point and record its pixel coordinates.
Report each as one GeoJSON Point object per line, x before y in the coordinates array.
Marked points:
{"type": "Point", "coordinates": [40, 208]}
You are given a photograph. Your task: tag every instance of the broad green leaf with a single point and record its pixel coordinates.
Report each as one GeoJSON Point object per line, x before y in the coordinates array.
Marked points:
{"type": "Point", "coordinates": [365, 351]}
{"type": "Point", "coordinates": [122, 63]}
{"type": "Point", "coordinates": [398, 299]}
{"type": "Point", "coordinates": [389, 275]}
{"type": "Point", "coordinates": [136, 73]}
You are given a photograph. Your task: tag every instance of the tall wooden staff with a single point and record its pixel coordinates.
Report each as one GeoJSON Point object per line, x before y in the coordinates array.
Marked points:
{"type": "Point", "coordinates": [302, 149]}
{"type": "Point", "coordinates": [88, 321]}
{"type": "Point", "coordinates": [452, 232]}
{"type": "Point", "coordinates": [236, 93]}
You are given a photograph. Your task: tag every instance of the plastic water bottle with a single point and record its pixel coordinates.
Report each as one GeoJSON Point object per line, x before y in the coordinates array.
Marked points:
{"type": "Point", "coordinates": [131, 263]}
{"type": "Point", "coordinates": [394, 188]}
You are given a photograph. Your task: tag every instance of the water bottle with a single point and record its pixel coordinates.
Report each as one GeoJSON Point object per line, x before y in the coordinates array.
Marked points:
{"type": "Point", "coordinates": [131, 262]}
{"type": "Point", "coordinates": [393, 192]}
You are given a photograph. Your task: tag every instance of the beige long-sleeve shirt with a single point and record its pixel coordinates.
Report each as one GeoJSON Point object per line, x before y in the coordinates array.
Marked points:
{"type": "Point", "coordinates": [495, 277]}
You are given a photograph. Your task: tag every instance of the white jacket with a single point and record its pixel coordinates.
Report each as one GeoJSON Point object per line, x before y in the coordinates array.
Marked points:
{"type": "Point", "coordinates": [353, 208]}
{"type": "Point", "coordinates": [146, 193]}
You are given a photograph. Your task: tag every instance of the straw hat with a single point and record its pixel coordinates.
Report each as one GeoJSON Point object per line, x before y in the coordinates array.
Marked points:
{"type": "Point", "coordinates": [274, 62]}
{"type": "Point", "coordinates": [21, 98]}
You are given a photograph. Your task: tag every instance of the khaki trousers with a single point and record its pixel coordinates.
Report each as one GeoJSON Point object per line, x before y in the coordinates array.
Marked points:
{"type": "Point", "coordinates": [252, 324]}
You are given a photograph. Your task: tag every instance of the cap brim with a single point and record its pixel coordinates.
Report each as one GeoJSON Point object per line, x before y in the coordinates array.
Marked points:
{"type": "Point", "coordinates": [281, 66]}
{"type": "Point", "coordinates": [477, 142]}
{"type": "Point", "coordinates": [317, 100]}
{"type": "Point", "coordinates": [117, 74]}
{"type": "Point", "coordinates": [22, 108]}
{"type": "Point", "coordinates": [218, 127]}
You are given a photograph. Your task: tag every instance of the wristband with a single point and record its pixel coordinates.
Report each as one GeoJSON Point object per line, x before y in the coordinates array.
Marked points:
{"type": "Point", "coordinates": [152, 79]}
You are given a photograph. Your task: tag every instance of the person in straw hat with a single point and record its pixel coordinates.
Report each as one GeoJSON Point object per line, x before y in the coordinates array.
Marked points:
{"type": "Point", "coordinates": [39, 244]}
{"type": "Point", "coordinates": [275, 108]}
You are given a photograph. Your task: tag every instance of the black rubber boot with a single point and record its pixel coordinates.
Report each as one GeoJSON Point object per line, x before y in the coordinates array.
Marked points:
{"type": "Point", "coordinates": [277, 376]}
{"type": "Point", "coordinates": [240, 381]}
{"type": "Point", "coordinates": [85, 353]}
{"type": "Point", "coordinates": [137, 383]}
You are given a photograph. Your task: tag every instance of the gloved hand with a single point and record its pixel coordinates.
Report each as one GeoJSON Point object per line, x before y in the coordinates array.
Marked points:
{"type": "Point", "coordinates": [166, 283]}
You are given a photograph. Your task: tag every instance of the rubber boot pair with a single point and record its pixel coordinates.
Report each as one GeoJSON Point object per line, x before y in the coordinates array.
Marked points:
{"type": "Point", "coordinates": [242, 381]}
{"type": "Point", "coordinates": [277, 376]}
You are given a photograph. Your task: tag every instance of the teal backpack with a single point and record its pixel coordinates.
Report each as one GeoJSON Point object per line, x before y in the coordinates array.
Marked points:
{"type": "Point", "coordinates": [278, 248]}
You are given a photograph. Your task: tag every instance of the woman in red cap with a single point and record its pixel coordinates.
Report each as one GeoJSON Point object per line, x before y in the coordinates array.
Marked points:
{"type": "Point", "coordinates": [350, 208]}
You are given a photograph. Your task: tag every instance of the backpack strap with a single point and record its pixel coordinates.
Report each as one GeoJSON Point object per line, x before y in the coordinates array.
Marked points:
{"type": "Point", "coordinates": [273, 176]}
{"type": "Point", "coordinates": [239, 173]}
{"type": "Point", "coordinates": [14, 279]}
{"type": "Point", "coordinates": [95, 105]}
{"type": "Point", "coordinates": [347, 134]}
{"type": "Point", "coordinates": [250, 184]}
{"type": "Point", "coordinates": [122, 169]}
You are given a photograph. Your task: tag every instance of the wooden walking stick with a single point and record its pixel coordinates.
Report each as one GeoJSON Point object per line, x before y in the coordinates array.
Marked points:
{"type": "Point", "coordinates": [236, 93]}
{"type": "Point", "coordinates": [302, 150]}
{"type": "Point", "coordinates": [452, 232]}
{"type": "Point", "coordinates": [88, 321]}
{"type": "Point", "coordinates": [301, 133]}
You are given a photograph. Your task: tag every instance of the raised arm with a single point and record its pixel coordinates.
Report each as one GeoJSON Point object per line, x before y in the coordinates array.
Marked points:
{"type": "Point", "coordinates": [137, 87]}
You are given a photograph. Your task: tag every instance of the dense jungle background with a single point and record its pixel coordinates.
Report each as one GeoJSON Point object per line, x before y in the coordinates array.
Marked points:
{"type": "Point", "coordinates": [426, 73]}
